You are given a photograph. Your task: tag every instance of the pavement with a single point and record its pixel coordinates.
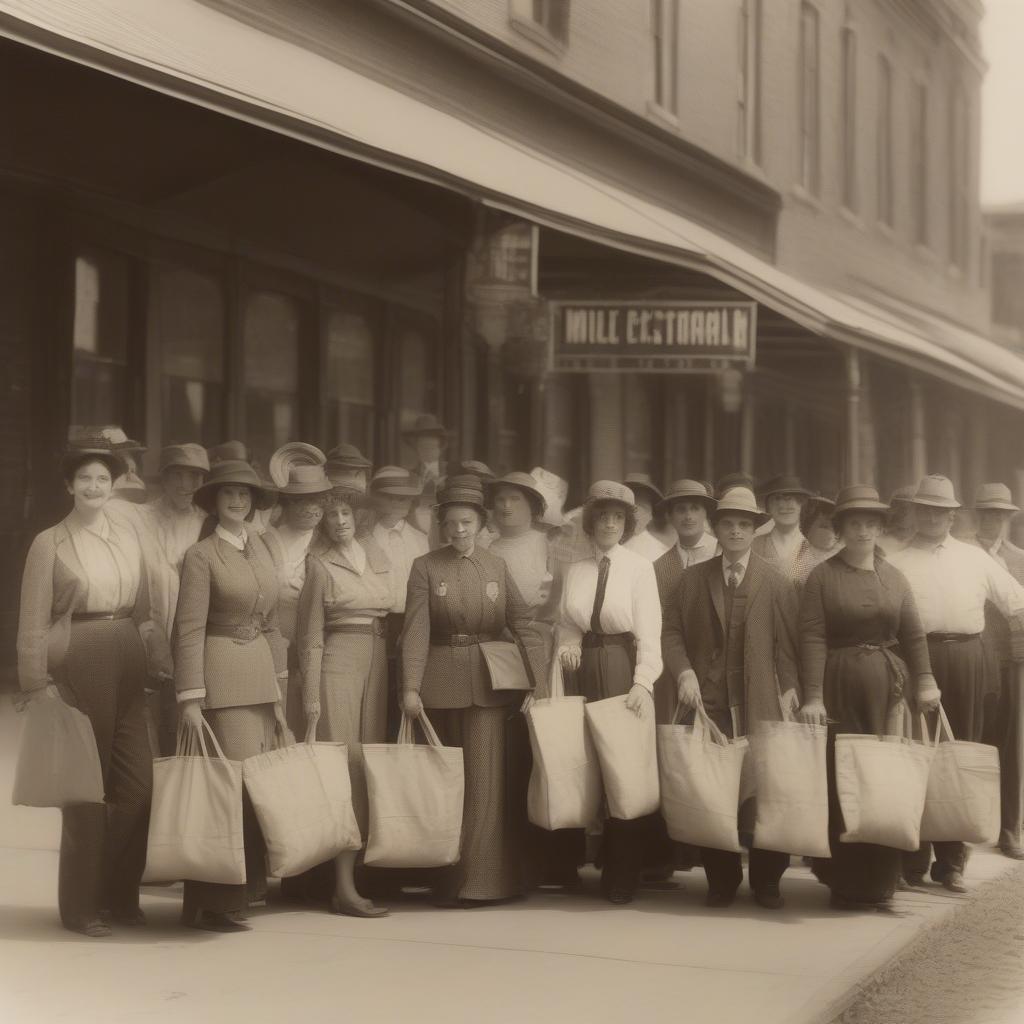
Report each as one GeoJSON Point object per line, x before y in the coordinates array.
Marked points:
{"type": "Point", "coordinates": [553, 957]}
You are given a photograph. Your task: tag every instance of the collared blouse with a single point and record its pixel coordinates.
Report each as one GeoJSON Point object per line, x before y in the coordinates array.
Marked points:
{"type": "Point", "coordinates": [631, 605]}
{"type": "Point", "coordinates": [402, 544]}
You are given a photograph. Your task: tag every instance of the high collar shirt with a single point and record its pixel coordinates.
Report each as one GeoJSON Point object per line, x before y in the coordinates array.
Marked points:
{"type": "Point", "coordinates": [527, 558]}
{"type": "Point", "coordinates": [112, 560]}
{"type": "Point", "coordinates": [631, 605]}
{"type": "Point", "coordinates": [237, 541]}
{"type": "Point", "coordinates": [401, 543]}
{"type": "Point", "coordinates": [739, 567]}
{"type": "Point", "coordinates": [703, 551]}
{"type": "Point", "coordinates": [646, 544]}
{"type": "Point", "coordinates": [951, 582]}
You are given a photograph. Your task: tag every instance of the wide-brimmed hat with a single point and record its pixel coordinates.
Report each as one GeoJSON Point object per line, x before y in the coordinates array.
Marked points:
{"type": "Point", "coordinates": [786, 484]}
{"type": "Point", "coordinates": [426, 425]}
{"type": "Point", "coordinates": [123, 442]}
{"type": "Point", "coordinates": [858, 498]}
{"type": "Point", "coordinates": [396, 482]}
{"type": "Point", "coordinates": [689, 490]}
{"type": "Point", "coordinates": [306, 481]}
{"type": "Point", "coordinates": [523, 482]}
{"type": "Point", "coordinates": [640, 483]}
{"type": "Point", "coordinates": [904, 494]}
{"type": "Point", "coordinates": [610, 490]}
{"type": "Point", "coordinates": [99, 443]}
{"type": "Point", "coordinates": [936, 491]}
{"type": "Point", "coordinates": [742, 500]}
{"type": "Point", "coordinates": [353, 493]}
{"type": "Point", "coordinates": [347, 456]}
{"type": "Point", "coordinates": [239, 473]}
{"type": "Point", "coordinates": [994, 498]}
{"type": "Point", "coordinates": [463, 489]}
{"type": "Point", "coordinates": [293, 453]}
{"type": "Point", "coordinates": [481, 470]}
{"type": "Point", "coordinates": [731, 480]}
{"type": "Point", "coordinates": [229, 451]}
{"type": "Point", "coordinates": [184, 456]}
{"type": "Point", "coordinates": [555, 490]}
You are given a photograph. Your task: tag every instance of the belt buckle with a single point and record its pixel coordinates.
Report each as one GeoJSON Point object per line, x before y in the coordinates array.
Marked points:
{"type": "Point", "coordinates": [460, 639]}
{"type": "Point", "coordinates": [248, 633]}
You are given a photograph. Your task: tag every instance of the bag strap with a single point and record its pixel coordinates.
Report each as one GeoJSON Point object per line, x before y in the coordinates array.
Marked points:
{"type": "Point", "coordinates": [556, 681]}
{"type": "Point", "coordinates": [942, 728]}
{"type": "Point", "coordinates": [207, 728]}
{"type": "Point", "coordinates": [703, 725]}
{"type": "Point", "coordinates": [428, 731]}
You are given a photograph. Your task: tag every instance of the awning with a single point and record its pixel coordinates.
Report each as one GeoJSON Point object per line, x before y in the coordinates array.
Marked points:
{"type": "Point", "coordinates": [190, 50]}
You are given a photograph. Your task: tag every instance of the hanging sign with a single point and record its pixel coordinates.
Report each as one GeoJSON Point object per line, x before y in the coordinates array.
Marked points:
{"type": "Point", "coordinates": [652, 337]}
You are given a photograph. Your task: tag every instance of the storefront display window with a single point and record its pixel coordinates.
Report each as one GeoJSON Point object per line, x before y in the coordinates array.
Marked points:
{"type": "Point", "coordinates": [350, 380]}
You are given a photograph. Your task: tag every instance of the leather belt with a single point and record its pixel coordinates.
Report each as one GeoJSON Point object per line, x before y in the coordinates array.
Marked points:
{"type": "Point", "coordinates": [608, 640]}
{"type": "Point", "coordinates": [242, 633]}
{"type": "Point", "coordinates": [952, 638]}
{"type": "Point", "coordinates": [375, 628]}
{"type": "Point", "coordinates": [459, 639]}
{"type": "Point", "coordinates": [124, 613]}
{"type": "Point", "coordinates": [864, 645]}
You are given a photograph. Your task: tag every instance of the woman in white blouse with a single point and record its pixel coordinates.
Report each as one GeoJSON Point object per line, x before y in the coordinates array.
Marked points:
{"type": "Point", "coordinates": [610, 631]}
{"type": "Point", "coordinates": [83, 600]}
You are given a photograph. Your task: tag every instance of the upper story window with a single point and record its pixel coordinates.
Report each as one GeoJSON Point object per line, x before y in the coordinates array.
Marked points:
{"type": "Point", "coordinates": [884, 185]}
{"type": "Point", "coordinates": [959, 166]}
{"type": "Point", "coordinates": [848, 141]}
{"type": "Point", "coordinates": [810, 100]}
{"type": "Point", "coordinates": [919, 163]}
{"type": "Point", "coordinates": [665, 29]}
{"type": "Point", "coordinates": [748, 83]}
{"type": "Point", "coordinates": [543, 20]}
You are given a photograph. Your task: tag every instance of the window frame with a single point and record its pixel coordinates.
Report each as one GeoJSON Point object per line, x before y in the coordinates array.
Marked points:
{"type": "Point", "coordinates": [920, 183]}
{"type": "Point", "coordinates": [849, 184]}
{"type": "Point", "coordinates": [748, 84]}
{"type": "Point", "coordinates": [665, 46]}
{"type": "Point", "coordinates": [959, 177]}
{"type": "Point", "coordinates": [542, 27]}
{"type": "Point", "coordinates": [885, 179]}
{"type": "Point", "coordinates": [810, 100]}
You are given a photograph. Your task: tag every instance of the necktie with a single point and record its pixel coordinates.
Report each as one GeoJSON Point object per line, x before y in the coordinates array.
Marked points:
{"type": "Point", "coordinates": [602, 585]}
{"type": "Point", "coordinates": [733, 579]}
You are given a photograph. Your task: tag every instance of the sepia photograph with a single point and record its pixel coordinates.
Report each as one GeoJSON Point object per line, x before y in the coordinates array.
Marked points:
{"type": "Point", "coordinates": [511, 511]}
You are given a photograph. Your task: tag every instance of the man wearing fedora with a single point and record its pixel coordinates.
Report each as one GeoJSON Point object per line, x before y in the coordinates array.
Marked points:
{"type": "Point", "coordinates": [1004, 709]}
{"type": "Point", "coordinates": [951, 581]}
{"type": "Point", "coordinates": [170, 526]}
{"type": "Point", "coordinates": [784, 545]}
{"type": "Point", "coordinates": [729, 642]}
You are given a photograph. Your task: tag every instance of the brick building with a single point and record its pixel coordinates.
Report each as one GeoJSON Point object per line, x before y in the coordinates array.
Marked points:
{"type": "Point", "coordinates": [279, 219]}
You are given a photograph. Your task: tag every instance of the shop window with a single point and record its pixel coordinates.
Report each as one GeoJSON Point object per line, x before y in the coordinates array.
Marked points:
{"type": "Point", "coordinates": [642, 413]}
{"type": "Point", "coordinates": [848, 163]}
{"type": "Point", "coordinates": [187, 316]}
{"type": "Point", "coordinates": [271, 331]}
{"type": "Point", "coordinates": [665, 29]}
{"type": "Point", "coordinates": [350, 379]}
{"type": "Point", "coordinates": [417, 374]}
{"type": "Point", "coordinates": [919, 163]}
{"type": "Point", "coordinates": [546, 18]}
{"type": "Point", "coordinates": [810, 100]}
{"type": "Point", "coordinates": [748, 85]}
{"type": "Point", "coordinates": [884, 184]}
{"type": "Point", "coordinates": [100, 338]}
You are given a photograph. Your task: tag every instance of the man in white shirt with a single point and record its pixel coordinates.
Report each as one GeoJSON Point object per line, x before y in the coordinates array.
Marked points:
{"type": "Point", "coordinates": [392, 493]}
{"type": "Point", "coordinates": [951, 582]}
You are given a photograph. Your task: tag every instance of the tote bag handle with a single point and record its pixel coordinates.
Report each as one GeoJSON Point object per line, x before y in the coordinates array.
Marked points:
{"type": "Point", "coordinates": [702, 725]}
{"type": "Point", "coordinates": [192, 743]}
{"type": "Point", "coordinates": [407, 735]}
{"type": "Point", "coordinates": [942, 728]}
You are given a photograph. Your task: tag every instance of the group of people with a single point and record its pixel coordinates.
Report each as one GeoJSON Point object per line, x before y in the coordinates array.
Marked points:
{"type": "Point", "coordinates": [326, 600]}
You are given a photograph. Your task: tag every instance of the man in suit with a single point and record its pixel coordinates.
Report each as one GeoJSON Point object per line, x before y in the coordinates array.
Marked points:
{"type": "Point", "coordinates": [729, 642]}
{"type": "Point", "coordinates": [1004, 711]}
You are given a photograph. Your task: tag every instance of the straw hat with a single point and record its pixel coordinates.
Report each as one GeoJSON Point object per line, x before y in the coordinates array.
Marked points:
{"type": "Point", "coordinates": [936, 491]}
{"type": "Point", "coordinates": [994, 497]}
{"type": "Point", "coordinates": [689, 490]}
{"type": "Point", "coordinates": [741, 500]}
{"type": "Point", "coordinates": [99, 443]}
{"type": "Point", "coordinates": [859, 498]}
{"type": "Point", "coordinates": [610, 490]}
{"type": "Point", "coordinates": [293, 453]}
{"type": "Point", "coordinates": [523, 482]}
{"type": "Point", "coordinates": [462, 490]}
{"type": "Point", "coordinates": [784, 485]}
{"type": "Point", "coordinates": [306, 481]}
{"type": "Point", "coordinates": [184, 456]}
{"type": "Point", "coordinates": [396, 482]}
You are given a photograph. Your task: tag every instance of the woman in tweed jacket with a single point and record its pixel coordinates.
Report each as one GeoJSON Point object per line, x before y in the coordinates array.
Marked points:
{"type": "Point", "coordinates": [228, 658]}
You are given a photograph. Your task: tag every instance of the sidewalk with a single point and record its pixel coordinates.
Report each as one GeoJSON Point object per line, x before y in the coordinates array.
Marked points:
{"type": "Point", "coordinates": [551, 958]}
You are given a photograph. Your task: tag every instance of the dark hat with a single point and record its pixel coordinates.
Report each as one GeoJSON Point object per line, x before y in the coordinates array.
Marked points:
{"type": "Point", "coordinates": [523, 482]}
{"type": "Point", "coordinates": [426, 425]}
{"type": "Point", "coordinates": [638, 482]}
{"type": "Point", "coordinates": [464, 489]}
{"type": "Point", "coordinates": [936, 491]}
{"type": "Point", "coordinates": [233, 471]}
{"type": "Point", "coordinates": [859, 498]}
{"type": "Point", "coordinates": [396, 482]}
{"type": "Point", "coordinates": [184, 456]}
{"type": "Point", "coordinates": [731, 480]}
{"type": "Point", "coordinates": [742, 500]}
{"type": "Point", "coordinates": [784, 485]}
{"type": "Point", "coordinates": [610, 490]}
{"type": "Point", "coordinates": [689, 490]}
{"type": "Point", "coordinates": [229, 451]}
{"type": "Point", "coordinates": [478, 469]}
{"type": "Point", "coordinates": [99, 443]}
{"type": "Point", "coordinates": [306, 481]}
{"type": "Point", "coordinates": [904, 494]}
{"type": "Point", "coordinates": [353, 493]}
{"type": "Point", "coordinates": [347, 456]}
{"type": "Point", "coordinates": [293, 453]}
{"type": "Point", "coordinates": [994, 497]}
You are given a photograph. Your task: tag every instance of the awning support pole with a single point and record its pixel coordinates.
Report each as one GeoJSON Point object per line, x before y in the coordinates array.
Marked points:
{"type": "Point", "coordinates": [853, 466]}
{"type": "Point", "coordinates": [918, 435]}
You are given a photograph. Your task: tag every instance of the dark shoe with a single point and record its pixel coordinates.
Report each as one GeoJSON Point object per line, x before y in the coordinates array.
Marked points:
{"type": "Point", "coordinates": [93, 929]}
{"type": "Point", "coordinates": [769, 897]}
{"type": "Point", "coordinates": [620, 897]}
{"type": "Point", "coordinates": [367, 909]}
{"type": "Point", "coordinates": [954, 882]}
{"type": "Point", "coordinates": [720, 899]}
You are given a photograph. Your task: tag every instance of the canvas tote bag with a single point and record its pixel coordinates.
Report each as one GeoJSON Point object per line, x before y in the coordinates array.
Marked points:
{"type": "Point", "coordinates": [302, 796]}
{"type": "Point", "coordinates": [565, 781]}
{"type": "Point", "coordinates": [962, 801]}
{"type": "Point", "coordinates": [195, 823]}
{"type": "Point", "coordinates": [58, 763]}
{"type": "Point", "coordinates": [416, 796]}
{"type": "Point", "coordinates": [700, 771]}
{"type": "Point", "coordinates": [626, 751]}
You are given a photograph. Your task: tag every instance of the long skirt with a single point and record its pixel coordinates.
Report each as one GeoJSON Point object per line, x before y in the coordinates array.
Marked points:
{"type": "Point", "coordinates": [242, 732]}
{"type": "Point", "coordinates": [103, 846]}
{"type": "Point", "coordinates": [353, 704]}
{"type": "Point", "coordinates": [491, 864]}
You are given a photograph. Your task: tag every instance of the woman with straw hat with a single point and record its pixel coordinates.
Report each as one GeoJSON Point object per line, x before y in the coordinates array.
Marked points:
{"type": "Point", "coordinates": [229, 656]}
{"type": "Point", "coordinates": [84, 596]}
{"type": "Point", "coordinates": [348, 591]}
{"type": "Point", "coordinates": [856, 612]}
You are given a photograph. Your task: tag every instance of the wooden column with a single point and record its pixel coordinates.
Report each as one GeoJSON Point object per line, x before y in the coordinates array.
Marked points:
{"type": "Point", "coordinates": [607, 429]}
{"type": "Point", "coordinates": [853, 412]}
{"type": "Point", "coordinates": [918, 431]}
{"type": "Point", "coordinates": [748, 421]}
{"type": "Point", "coordinates": [710, 398]}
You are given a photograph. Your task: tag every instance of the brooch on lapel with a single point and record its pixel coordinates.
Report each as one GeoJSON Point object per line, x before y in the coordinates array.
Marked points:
{"type": "Point", "coordinates": [442, 589]}
{"type": "Point", "coordinates": [491, 590]}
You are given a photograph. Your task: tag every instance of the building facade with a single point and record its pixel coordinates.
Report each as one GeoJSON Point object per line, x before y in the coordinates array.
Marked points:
{"type": "Point", "coordinates": [299, 219]}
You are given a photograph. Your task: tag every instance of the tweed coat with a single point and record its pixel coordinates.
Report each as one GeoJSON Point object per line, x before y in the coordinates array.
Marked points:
{"type": "Point", "coordinates": [224, 587]}
{"type": "Point", "coordinates": [54, 586]}
{"type": "Point", "coordinates": [694, 636]}
{"type": "Point", "coordinates": [450, 594]}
